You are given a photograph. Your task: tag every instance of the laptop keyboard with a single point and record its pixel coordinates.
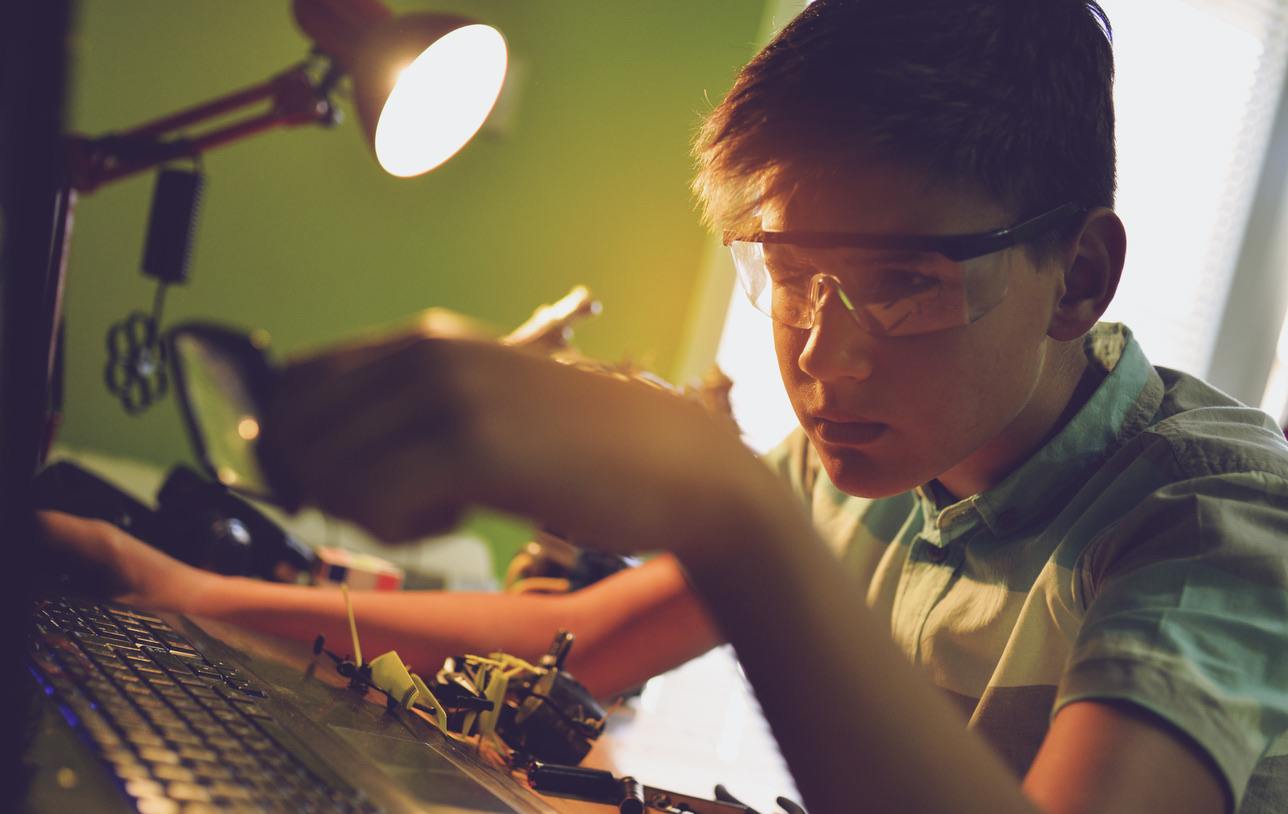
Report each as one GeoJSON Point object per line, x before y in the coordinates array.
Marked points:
{"type": "Point", "coordinates": [180, 732]}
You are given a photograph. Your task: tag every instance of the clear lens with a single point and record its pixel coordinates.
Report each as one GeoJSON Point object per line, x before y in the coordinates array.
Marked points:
{"type": "Point", "coordinates": [889, 293]}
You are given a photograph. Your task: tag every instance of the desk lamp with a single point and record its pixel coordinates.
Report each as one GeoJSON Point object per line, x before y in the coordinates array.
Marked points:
{"type": "Point", "coordinates": [422, 84]}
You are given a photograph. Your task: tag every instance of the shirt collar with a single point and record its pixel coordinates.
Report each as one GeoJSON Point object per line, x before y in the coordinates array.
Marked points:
{"type": "Point", "coordinates": [1121, 406]}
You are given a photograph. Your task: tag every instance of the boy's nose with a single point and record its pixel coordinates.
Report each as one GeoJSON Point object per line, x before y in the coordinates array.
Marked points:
{"type": "Point", "coordinates": [838, 347]}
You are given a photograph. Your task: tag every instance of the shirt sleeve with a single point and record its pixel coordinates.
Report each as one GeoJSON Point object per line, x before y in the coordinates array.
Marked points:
{"type": "Point", "coordinates": [1186, 600]}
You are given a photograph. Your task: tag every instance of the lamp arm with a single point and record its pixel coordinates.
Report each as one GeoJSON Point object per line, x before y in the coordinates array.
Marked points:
{"type": "Point", "coordinates": [294, 97]}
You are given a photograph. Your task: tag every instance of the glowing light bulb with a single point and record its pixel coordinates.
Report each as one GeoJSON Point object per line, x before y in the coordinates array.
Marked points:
{"type": "Point", "coordinates": [441, 100]}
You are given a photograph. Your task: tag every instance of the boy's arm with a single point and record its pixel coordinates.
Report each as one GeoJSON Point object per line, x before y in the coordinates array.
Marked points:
{"type": "Point", "coordinates": [1109, 757]}
{"type": "Point", "coordinates": [628, 627]}
{"type": "Point", "coordinates": [1174, 685]}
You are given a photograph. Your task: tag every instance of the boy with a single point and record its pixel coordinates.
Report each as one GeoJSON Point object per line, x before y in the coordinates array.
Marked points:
{"type": "Point", "coordinates": [1083, 556]}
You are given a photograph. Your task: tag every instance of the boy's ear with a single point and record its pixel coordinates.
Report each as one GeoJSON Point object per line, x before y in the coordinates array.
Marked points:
{"type": "Point", "coordinates": [1091, 275]}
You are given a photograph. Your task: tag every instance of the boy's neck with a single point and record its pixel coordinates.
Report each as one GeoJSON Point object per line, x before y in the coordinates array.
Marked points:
{"type": "Point", "coordinates": [1069, 382]}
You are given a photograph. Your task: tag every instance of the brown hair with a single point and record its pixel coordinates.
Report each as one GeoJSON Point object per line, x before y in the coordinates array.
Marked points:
{"type": "Point", "coordinates": [1012, 97]}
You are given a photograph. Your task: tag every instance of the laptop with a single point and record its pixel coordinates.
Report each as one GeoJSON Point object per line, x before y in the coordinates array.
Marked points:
{"type": "Point", "coordinates": [117, 709]}
{"type": "Point", "coordinates": [153, 713]}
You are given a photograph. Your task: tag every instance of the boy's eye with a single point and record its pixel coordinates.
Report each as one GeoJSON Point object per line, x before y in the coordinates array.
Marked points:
{"type": "Point", "coordinates": [892, 285]}
{"type": "Point", "coordinates": [787, 271]}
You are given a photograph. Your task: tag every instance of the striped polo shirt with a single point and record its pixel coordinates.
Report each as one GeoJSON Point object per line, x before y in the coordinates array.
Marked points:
{"type": "Point", "coordinates": [1140, 555]}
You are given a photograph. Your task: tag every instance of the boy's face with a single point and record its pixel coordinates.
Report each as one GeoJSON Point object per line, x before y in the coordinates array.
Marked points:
{"type": "Point", "coordinates": [888, 414]}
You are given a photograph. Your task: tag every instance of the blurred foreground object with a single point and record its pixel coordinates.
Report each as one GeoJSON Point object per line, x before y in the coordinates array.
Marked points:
{"type": "Point", "coordinates": [225, 377]}
{"type": "Point", "coordinates": [549, 563]}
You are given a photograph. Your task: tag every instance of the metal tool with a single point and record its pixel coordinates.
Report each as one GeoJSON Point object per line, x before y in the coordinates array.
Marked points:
{"type": "Point", "coordinates": [627, 793]}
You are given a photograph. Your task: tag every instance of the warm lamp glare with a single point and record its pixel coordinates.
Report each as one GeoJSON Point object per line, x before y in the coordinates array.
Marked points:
{"type": "Point", "coordinates": [248, 429]}
{"type": "Point", "coordinates": [440, 100]}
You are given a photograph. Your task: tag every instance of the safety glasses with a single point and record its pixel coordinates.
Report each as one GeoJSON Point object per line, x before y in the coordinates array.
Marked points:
{"type": "Point", "coordinates": [892, 285]}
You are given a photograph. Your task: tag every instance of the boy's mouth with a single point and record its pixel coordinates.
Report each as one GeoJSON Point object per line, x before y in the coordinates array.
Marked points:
{"type": "Point", "coordinates": [848, 433]}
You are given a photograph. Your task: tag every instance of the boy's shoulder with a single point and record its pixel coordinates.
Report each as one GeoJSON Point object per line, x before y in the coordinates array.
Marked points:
{"type": "Point", "coordinates": [1208, 433]}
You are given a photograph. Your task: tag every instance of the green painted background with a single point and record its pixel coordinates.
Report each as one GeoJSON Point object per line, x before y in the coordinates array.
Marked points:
{"type": "Point", "coordinates": [302, 234]}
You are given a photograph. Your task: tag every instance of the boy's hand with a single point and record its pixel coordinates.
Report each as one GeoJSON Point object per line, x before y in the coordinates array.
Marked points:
{"type": "Point", "coordinates": [401, 435]}
{"type": "Point", "coordinates": [117, 565]}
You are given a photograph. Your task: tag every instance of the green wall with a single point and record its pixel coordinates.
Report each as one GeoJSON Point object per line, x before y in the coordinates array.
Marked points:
{"type": "Point", "coordinates": [302, 234]}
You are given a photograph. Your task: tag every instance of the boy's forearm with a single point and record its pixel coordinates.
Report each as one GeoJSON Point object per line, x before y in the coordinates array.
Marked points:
{"type": "Point", "coordinates": [628, 627]}
{"type": "Point", "coordinates": [860, 727]}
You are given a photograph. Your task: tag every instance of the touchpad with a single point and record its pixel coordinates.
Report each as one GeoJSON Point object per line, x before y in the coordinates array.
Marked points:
{"type": "Point", "coordinates": [422, 772]}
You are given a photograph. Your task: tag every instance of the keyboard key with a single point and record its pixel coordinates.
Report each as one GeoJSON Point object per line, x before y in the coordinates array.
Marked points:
{"type": "Point", "coordinates": [240, 729]}
{"type": "Point", "coordinates": [252, 709]}
{"type": "Point", "coordinates": [133, 771]}
{"type": "Point", "coordinates": [171, 772]}
{"type": "Point", "coordinates": [228, 791]}
{"type": "Point", "coordinates": [199, 718]}
{"type": "Point", "coordinates": [103, 650]}
{"type": "Point", "coordinates": [201, 668]}
{"type": "Point", "coordinates": [236, 759]}
{"type": "Point", "coordinates": [157, 805]}
{"type": "Point", "coordinates": [135, 616]}
{"type": "Point", "coordinates": [187, 791]}
{"type": "Point", "coordinates": [120, 755]}
{"type": "Point", "coordinates": [142, 738]}
{"type": "Point", "coordinates": [209, 771]}
{"type": "Point", "coordinates": [158, 755]}
{"type": "Point", "coordinates": [181, 739]}
{"type": "Point", "coordinates": [195, 752]}
{"type": "Point", "coordinates": [114, 639]}
{"type": "Point", "coordinates": [163, 657]}
{"type": "Point", "coordinates": [219, 744]}
{"type": "Point", "coordinates": [165, 718]}
{"type": "Point", "coordinates": [144, 788]}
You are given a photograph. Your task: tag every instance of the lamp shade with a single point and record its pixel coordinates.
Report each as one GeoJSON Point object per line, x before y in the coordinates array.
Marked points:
{"type": "Point", "coordinates": [423, 84]}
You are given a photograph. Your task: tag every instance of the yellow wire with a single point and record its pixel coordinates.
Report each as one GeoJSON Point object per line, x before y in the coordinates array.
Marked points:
{"type": "Point", "coordinates": [353, 626]}
{"type": "Point", "coordinates": [504, 661]}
